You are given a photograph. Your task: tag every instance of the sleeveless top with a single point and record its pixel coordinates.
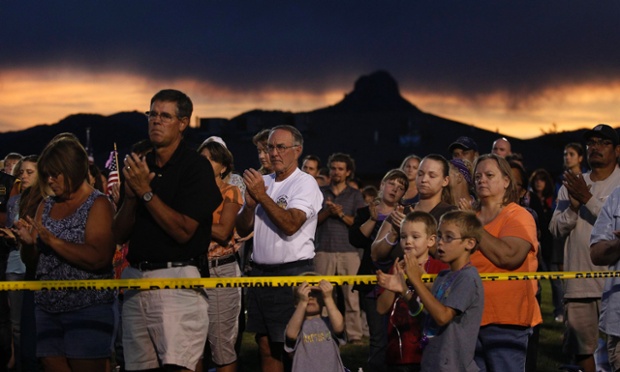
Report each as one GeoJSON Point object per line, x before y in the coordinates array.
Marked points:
{"type": "Point", "coordinates": [54, 267]}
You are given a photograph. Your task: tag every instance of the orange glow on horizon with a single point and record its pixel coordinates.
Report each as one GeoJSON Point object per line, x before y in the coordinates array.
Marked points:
{"type": "Point", "coordinates": [569, 108]}
{"type": "Point", "coordinates": [37, 97]}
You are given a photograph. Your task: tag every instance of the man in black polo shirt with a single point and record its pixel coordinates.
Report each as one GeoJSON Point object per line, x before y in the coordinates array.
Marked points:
{"type": "Point", "coordinates": [166, 217]}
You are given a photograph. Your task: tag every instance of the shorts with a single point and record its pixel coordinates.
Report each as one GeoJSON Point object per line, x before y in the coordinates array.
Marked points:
{"type": "Point", "coordinates": [581, 335]}
{"type": "Point", "coordinates": [224, 308]}
{"type": "Point", "coordinates": [78, 334]}
{"type": "Point", "coordinates": [167, 326]}
{"type": "Point", "coordinates": [271, 307]}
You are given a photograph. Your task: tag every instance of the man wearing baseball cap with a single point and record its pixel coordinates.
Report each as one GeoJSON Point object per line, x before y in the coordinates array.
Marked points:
{"type": "Point", "coordinates": [580, 200]}
{"type": "Point", "coordinates": [464, 148]}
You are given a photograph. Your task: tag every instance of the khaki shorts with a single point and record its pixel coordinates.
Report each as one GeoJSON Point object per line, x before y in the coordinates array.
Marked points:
{"type": "Point", "coordinates": [167, 325]}
{"type": "Point", "coordinates": [581, 335]}
{"type": "Point", "coordinates": [224, 308]}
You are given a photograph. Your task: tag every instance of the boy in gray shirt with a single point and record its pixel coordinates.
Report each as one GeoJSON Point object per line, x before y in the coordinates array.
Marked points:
{"type": "Point", "coordinates": [455, 304]}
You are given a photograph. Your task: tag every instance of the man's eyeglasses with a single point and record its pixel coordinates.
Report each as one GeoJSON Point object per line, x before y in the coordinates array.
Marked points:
{"type": "Point", "coordinates": [605, 142]}
{"type": "Point", "coordinates": [280, 148]}
{"type": "Point", "coordinates": [449, 239]}
{"type": "Point", "coordinates": [164, 116]}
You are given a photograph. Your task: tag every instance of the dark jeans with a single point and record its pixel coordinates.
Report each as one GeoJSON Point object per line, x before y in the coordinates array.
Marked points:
{"type": "Point", "coordinates": [377, 327]}
{"type": "Point", "coordinates": [502, 348]}
{"type": "Point", "coordinates": [15, 303]}
{"type": "Point", "coordinates": [29, 334]}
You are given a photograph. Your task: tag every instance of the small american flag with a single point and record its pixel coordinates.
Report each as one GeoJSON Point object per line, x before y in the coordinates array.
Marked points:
{"type": "Point", "coordinates": [112, 166]}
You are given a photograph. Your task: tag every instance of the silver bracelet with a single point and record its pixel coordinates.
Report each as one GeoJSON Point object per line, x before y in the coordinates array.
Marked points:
{"type": "Point", "coordinates": [388, 241]}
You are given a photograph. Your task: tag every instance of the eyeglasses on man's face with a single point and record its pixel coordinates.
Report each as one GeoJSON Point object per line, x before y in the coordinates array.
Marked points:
{"type": "Point", "coordinates": [163, 116]}
{"type": "Point", "coordinates": [599, 143]}
{"type": "Point", "coordinates": [280, 148]}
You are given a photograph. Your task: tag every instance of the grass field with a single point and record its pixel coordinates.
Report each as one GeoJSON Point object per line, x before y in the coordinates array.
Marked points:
{"type": "Point", "coordinates": [550, 355]}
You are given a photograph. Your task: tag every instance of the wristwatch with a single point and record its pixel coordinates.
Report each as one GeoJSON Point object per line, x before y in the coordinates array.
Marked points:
{"type": "Point", "coordinates": [341, 215]}
{"type": "Point", "coordinates": [147, 197]}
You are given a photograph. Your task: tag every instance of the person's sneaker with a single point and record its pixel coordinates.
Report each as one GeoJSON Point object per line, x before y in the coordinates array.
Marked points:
{"type": "Point", "coordinates": [559, 318]}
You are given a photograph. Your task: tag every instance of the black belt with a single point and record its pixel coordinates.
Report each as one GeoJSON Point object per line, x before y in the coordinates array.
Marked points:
{"type": "Point", "coordinates": [218, 261]}
{"type": "Point", "coordinates": [282, 266]}
{"type": "Point", "coordinates": [147, 266]}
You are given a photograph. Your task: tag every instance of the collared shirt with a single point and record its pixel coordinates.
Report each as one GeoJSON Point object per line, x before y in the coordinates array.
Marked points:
{"type": "Point", "coordinates": [333, 234]}
{"type": "Point", "coordinates": [186, 184]}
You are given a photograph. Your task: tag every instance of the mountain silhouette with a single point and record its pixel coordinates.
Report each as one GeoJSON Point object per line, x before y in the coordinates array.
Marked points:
{"type": "Point", "coordinates": [377, 92]}
{"type": "Point", "coordinates": [373, 123]}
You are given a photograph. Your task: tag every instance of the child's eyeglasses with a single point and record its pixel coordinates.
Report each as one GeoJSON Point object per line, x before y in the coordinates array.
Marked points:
{"type": "Point", "coordinates": [448, 238]}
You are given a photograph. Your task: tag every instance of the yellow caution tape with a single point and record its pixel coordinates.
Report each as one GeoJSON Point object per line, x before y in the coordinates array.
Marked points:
{"type": "Point", "coordinates": [267, 281]}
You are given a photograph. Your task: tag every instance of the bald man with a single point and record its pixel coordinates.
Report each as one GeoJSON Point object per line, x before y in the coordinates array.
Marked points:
{"type": "Point", "coordinates": [501, 147]}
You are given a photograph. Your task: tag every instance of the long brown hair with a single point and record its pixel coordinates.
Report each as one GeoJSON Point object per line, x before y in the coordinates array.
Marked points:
{"type": "Point", "coordinates": [31, 196]}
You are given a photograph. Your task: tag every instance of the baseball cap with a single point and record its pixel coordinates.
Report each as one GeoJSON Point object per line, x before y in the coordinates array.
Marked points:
{"type": "Point", "coordinates": [603, 131]}
{"type": "Point", "coordinates": [464, 142]}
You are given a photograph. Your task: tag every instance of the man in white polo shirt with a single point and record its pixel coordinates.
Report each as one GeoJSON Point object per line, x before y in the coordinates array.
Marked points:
{"type": "Point", "coordinates": [281, 208]}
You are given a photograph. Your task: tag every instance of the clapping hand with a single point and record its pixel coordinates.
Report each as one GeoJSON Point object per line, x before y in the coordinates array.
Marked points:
{"type": "Point", "coordinates": [393, 282]}
{"type": "Point", "coordinates": [412, 266]}
{"type": "Point", "coordinates": [464, 204]}
{"type": "Point", "coordinates": [396, 217]}
{"type": "Point", "coordinates": [254, 187]}
{"type": "Point", "coordinates": [577, 188]}
{"type": "Point", "coordinates": [25, 232]}
{"type": "Point", "coordinates": [138, 177]}
{"type": "Point", "coordinates": [334, 209]}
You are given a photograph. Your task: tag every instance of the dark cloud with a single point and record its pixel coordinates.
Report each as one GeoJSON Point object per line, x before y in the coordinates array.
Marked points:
{"type": "Point", "coordinates": [471, 48]}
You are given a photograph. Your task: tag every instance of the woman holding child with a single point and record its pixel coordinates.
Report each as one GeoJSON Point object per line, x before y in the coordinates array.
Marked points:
{"type": "Point", "coordinates": [508, 244]}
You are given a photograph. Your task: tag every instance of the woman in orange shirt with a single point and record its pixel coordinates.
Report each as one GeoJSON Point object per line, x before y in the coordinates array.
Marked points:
{"type": "Point", "coordinates": [508, 244]}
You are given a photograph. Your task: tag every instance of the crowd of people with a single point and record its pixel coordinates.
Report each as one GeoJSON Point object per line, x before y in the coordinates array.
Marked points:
{"type": "Point", "coordinates": [185, 213]}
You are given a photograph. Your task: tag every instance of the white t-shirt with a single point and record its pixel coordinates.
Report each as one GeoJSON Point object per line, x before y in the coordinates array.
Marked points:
{"type": "Point", "coordinates": [271, 246]}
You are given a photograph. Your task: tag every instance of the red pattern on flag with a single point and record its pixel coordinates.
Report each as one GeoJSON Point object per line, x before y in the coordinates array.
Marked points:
{"type": "Point", "coordinates": [112, 166]}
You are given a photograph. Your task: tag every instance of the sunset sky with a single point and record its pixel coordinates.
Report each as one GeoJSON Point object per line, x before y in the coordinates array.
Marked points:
{"type": "Point", "coordinates": [515, 67]}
